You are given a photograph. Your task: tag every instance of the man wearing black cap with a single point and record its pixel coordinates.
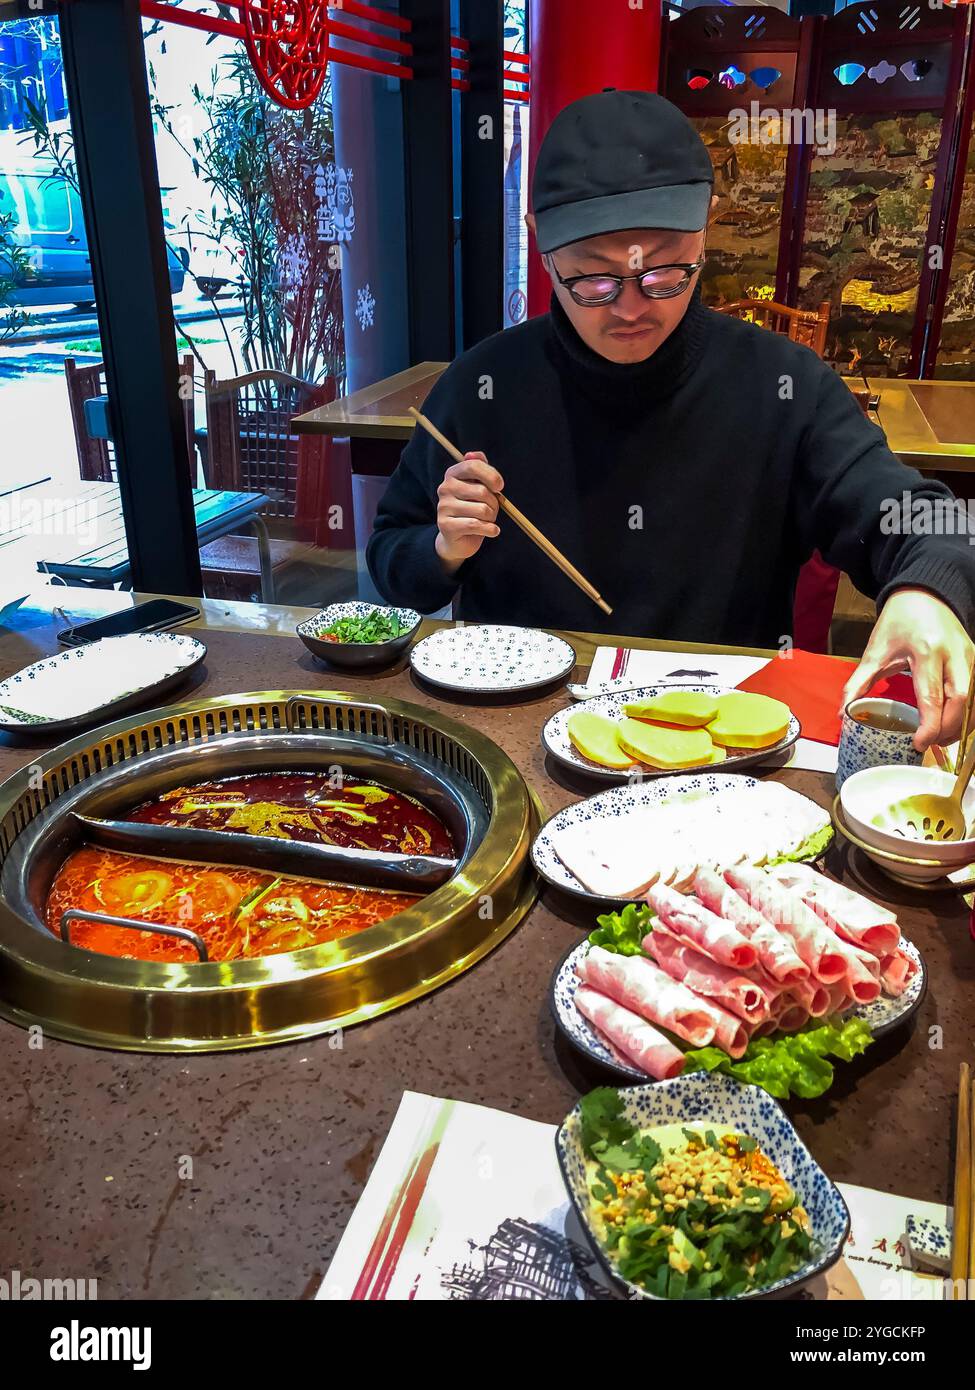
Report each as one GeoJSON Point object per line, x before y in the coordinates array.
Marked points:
{"type": "Point", "coordinates": [686, 462]}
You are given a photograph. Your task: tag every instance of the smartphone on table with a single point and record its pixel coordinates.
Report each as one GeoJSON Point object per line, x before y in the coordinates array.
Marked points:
{"type": "Point", "coordinates": [157, 615]}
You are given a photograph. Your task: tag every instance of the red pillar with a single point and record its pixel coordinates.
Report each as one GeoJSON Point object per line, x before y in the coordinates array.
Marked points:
{"type": "Point", "coordinates": [578, 48]}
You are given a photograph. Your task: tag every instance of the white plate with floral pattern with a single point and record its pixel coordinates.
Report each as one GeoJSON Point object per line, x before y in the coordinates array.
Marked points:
{"type": "Point", "coordinates": [488, 659]}
{"type": "Point", "coordinates": [880, 1016]}
{"type": "Point", "coordinates": [555, 736]}
{"type": "Point", "coordinates": [85, 685]}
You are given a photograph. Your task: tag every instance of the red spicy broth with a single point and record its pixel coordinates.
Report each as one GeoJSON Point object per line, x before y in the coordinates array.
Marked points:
{"type": "Point", "coordinates": [239, 913]}
{"type": "Point", "coordinates": [304, 806]}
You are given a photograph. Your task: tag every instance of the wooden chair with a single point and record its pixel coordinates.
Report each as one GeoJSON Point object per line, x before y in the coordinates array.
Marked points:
{"type": "Point", "coordinates": [251, 448]}
{"type": "Point", "coordinates": [226, 572]}
{"type": "Point", "coordinates": [815, 598]}
{"type": "Point", "coordinates": [96, 457]}
{"type": "Point", "coordinates": [801, 325]}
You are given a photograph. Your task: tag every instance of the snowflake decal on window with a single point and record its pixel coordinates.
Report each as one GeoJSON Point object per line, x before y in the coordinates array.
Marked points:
{"type": "Point", "coordinates": [365, 307]}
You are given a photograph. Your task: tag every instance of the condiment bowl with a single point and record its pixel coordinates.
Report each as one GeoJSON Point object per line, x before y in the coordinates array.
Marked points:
{"type": "Point", "coordinates": [357, 655]}
{"type": "Point", "coordinates": [865, 797]}
{"type": "Point", "coordinates": [711, 1100]}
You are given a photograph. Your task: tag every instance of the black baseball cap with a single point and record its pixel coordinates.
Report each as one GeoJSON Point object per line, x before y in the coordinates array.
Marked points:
{"type": "Point", "coordinates": [618, 160]}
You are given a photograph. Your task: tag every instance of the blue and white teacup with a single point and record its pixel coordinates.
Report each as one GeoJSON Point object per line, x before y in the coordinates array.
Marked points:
{"type": "Point", "coordinates": [862, 745]}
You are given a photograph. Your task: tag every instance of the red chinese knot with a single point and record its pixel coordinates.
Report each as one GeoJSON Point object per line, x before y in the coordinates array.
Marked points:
{"type": "Point", "coordinates": [288, 45]}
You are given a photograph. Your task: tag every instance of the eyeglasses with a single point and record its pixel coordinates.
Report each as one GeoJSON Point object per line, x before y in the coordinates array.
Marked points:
{"type": "Point", "coordinates": [659, 282]}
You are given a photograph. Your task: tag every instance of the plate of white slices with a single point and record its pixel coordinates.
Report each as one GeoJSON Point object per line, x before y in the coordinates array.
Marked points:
{"type": "Point", "coordinates": [488, 659]}
{"type": "Point", "coordinates": [86, 685]}
{"type": "Point", "coordinates": [660, 730]}
{"type": "Point", "coordinates": [615, 845]}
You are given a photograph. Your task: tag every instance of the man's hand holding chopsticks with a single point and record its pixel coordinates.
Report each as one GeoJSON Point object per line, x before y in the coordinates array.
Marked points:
{"type": "Point", "coordinates": [467, 509]}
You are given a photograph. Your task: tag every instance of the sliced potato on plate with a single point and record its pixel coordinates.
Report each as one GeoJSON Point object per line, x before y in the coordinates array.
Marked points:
{"type": "Point", "coordinates": [597, 739]}
{"type": "Point", "coordinates": [665, 747]}
{"type": "Point", "coordinates": [746, 720]}
{"type": "Point", "coordinates": [690, 708]}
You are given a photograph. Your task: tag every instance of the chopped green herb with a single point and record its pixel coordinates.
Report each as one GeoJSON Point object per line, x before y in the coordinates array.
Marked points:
{"type": "Point", "coordinates": [377, 626]}
{"type": "Point", "coordinates": [671, 1226]}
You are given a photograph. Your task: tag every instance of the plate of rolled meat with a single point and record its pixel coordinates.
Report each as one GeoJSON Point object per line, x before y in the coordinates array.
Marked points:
{"type": "Point", "coordinates": [742, 954]}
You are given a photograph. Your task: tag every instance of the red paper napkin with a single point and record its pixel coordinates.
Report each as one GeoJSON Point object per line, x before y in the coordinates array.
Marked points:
{"type": "Point", "coordinates": [812, 686]}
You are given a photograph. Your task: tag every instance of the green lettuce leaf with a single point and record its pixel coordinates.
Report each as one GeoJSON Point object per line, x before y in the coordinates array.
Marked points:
{"type": "Point", "coordinates": [811, 848]}
{"type": "Point", "coordinates": [623, 932]}
{"type": "Point", "coordinates": [792, 1064]}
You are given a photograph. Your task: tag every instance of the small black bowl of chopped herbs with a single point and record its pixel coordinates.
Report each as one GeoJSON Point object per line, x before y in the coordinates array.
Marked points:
{"type": "Point", "coordinates": [359, 635]}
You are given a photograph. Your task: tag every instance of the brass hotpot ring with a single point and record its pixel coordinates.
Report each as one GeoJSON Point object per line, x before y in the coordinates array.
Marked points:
{"type": "Point", "coordinates": [145, 1005]}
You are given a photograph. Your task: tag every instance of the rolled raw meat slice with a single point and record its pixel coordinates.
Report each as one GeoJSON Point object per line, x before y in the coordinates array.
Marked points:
{"type": "Point", "coordinates": [731, 1033]}
{"type": "Point", "coordinates": [691, 920]}
{"type": "Point", "coordinates": [641, 986]}
{"type": "Point", "coordinates": [637, 1041]}
{"type": "Point", "coordinates": [839, 998]}
{"type": "Point", "coordinates": [896, 971]}
{"type": "Point", "coordinates": [733, 991]}
{"type": "Point", "coordinates": [868, 959]}
{"type": "Point", "coordinates": [776, 953]}
{"type": "Point", "coordinates": [638, 984]}
{"type": "Point", "coordinates": [861, 981]}
{"type": "Point", "coordinates": [815, 943]}
{"type": "Point", "coordinates": [792, 1018]}
{"type": "Point", "coordinates": [851, 916]}
{"type": "Point", "coordinates": [814, 997]}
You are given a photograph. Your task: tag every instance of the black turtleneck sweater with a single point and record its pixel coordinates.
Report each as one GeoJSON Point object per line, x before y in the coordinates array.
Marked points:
{"type": "Point", "coordinates": [688, 489]}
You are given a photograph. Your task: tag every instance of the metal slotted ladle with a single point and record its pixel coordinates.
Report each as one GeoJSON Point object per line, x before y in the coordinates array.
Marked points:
{"type": "Point", "coordinates": [927, 816]}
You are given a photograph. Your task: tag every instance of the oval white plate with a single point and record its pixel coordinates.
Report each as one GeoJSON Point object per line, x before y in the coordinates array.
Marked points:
{"type": "Point", "coordinates": [82, 684]}
{"type": "Point", "coordinates": [881, 1016]}
{"type": "Point", "coordinates": [617, 803]}
{"type": "Point", "coordinates": [555, 736]}
{"type": "Point", "coordinates": [485, 659]}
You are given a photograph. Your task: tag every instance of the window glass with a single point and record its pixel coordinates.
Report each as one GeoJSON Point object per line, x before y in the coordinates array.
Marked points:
{"type": "Point", "coordinates": [56, 501]}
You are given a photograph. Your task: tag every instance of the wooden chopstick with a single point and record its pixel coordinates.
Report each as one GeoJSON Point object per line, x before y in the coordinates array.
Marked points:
{"type": "Point", "coordinates": [962, 1235]}
{"type": "Point", "coordinates": [966, 721]}
{"type": "Point", "coordinates": [942, 759]}
{"type": "Point", "coordinates": [519, 518]}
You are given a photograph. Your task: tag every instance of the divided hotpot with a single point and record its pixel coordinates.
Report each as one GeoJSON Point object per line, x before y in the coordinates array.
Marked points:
{"type": "Point", "coordinates": [50, 808]}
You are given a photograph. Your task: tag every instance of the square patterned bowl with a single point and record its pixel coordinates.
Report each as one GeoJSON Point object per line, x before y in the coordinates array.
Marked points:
{"type": "Point", "coordinates": [721, 1102]}
{"type": "Point", "coordinates": [357, 655]}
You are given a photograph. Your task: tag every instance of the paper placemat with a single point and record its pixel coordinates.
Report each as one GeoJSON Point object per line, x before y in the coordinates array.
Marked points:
{"type": "Point", "coordinates": [467, 1202]}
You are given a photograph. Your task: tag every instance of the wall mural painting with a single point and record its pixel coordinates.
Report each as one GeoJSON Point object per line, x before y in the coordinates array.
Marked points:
{"type": "Point", "coordinates": [749, 180]}
{"type": "Point", "coordinates": [865, 231]}
{"type": "Point", "coordinates": [956, 355]}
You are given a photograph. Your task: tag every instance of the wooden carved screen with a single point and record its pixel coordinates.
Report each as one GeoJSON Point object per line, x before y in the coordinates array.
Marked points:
{"type": "Point", "coordinates": [883, 76]}
{"type": "Point", "coordinates": [716, 63]}
{"type": "Point", "coordinates": [956, 352]}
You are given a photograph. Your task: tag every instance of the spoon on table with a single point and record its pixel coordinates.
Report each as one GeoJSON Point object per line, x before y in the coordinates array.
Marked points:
{"type": "Point", "coordinates": [621, 686]}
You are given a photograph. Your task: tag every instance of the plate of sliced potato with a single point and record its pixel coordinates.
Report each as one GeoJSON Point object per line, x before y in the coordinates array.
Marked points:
{"type": "Point", "coordinates": [662, 729]}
